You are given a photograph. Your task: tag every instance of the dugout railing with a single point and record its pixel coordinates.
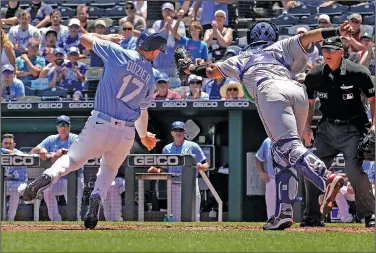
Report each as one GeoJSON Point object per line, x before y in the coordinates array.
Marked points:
{"type": "Point", "coordinates": [132, 166]}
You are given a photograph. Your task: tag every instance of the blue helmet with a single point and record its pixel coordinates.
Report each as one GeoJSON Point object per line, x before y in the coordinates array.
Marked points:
{"type": "Point", "coordinates": [150, 40]}
{"type": "Point", "coordinates": [262, 32]}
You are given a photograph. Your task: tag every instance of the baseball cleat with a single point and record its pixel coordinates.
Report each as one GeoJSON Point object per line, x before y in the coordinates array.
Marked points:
{"type": "Point", "coordinates": [333, 185]}
{"type": "Point", "coordinates": [36, 187]}
{"type": "Point", "coordinates": [92, 216]}
{"type": "Point", "coordinates": [280, 223]}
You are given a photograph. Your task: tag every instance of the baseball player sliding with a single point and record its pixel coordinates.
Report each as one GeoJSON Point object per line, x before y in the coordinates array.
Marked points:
{"type": "Point", "coordinates": [268, 74]}
{"type": "Point", "coordinates": [123, 96]}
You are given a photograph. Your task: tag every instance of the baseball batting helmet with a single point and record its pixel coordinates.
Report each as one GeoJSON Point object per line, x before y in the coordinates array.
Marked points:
{"type": "Point", "coordinates": [150, 40]}
{"type": "Point", "coordinates": [262, 32]}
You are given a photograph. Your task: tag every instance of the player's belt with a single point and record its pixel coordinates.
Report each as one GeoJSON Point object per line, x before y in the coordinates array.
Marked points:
{"type": "Point", "coordinates": [114, 121]}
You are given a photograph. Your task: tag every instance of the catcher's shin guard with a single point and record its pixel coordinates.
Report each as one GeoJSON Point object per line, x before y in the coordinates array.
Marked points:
{"type": "Point", "coordinates": [292, 153]}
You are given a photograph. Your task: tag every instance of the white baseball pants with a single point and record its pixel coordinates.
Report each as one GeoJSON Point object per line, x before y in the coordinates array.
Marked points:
{"type": "Point", "coordinates": [14, 190]}
{"type": "Point", "coordinates": [343, 206]}
{"type": "Point", "coordinates": [176, 201]}
{"type": "Point", "coordinates": [111, 140]}
{"type": "Point", "coordinates": [270, 197]}
{"type": "Point", "coordinates": [112, 206]}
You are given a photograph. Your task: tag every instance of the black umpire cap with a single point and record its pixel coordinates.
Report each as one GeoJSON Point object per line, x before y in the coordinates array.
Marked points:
{"type": "Point", "coordinates": [334, 43]}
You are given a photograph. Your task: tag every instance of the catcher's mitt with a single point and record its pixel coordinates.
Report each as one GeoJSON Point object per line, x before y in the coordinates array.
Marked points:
{"type": "Point", "coordinates": [182, 60]}
{"type": "Point", "coordinates": [366, 147]}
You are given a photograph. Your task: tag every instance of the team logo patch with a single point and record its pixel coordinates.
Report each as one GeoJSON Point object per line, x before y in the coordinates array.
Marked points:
{"type": "Point", "coordinates": [322, 95]}
{"type": "Point", "coordinates": [371, 90]}
{"type": "Point", "coordinates": [348, 96]}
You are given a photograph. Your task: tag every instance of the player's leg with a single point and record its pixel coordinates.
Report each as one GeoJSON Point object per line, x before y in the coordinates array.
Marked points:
{"type": "Point", "coordinates": [123, 138]}
{"type": "Point", "coordinates": [270, 197]}
{"type": "Point", "coordinates": [91, 143]}
{"type": "Point", "coordinates": [343, 206]}
{"type": "Point", "coordinates": [57, 189]}
{"type": "Point", "coordinates": [198, 201]}
{"type": "Point", "coordinates": [176, 201]}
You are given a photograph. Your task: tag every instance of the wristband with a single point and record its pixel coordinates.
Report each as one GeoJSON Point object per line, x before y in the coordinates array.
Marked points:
{"type": "Point", "coordinates": [329, 33]}
{"type": "Point", "coordinates": [199, 70]}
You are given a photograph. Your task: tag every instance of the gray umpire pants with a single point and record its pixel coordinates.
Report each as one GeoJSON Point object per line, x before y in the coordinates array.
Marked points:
{"type": "Point", "coordinates": [331, 140]}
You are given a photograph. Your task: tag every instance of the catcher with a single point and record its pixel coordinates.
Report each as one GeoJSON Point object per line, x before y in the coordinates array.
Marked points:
{"type": "Point", "coordinates": [338, 84]}
{"type": "Point", "coordinates": [268, 76]}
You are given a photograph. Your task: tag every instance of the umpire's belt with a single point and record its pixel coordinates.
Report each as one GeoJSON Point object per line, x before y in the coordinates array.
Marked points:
{"type": "Point", "coordinates": [112, 120]}
{"type": "Point", "coordinates": [339, 122]}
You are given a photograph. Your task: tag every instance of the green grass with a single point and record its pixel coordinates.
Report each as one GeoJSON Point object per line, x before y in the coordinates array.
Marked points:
{"type": "Point", "coordinates": [175, 240]}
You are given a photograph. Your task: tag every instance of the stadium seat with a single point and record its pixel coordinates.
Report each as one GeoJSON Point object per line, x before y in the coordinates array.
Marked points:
{"type": "Point", "coordinates": [53, 92]}
{"type": "Point", "coordinates": [292, 30]}
{"type": "Point", "coordinates": [339, 19]}
{"type": "Point", "coordinates": [94, 73]}
{"type": "Point", "coordinates": [103, 4]}
{"type": "Point", "coordinates": [95, 12]}
{"type": "Point", "coordinates": [369, 20]}
{"type": "Point", "coordinates": [53, 4]}
{"type": "Point", "coordinates": [363, 9]}
{"type": "Point", "coordinates": [334, 9]}
{"type": "Point", "coordinates": [75, 3]}
{"type": "Point", "coordinates": [29, 91]}
{"type": "Point", "coordinates": [67, 12]}
{"type": "Point", "coordinates": [310, 20]}
{"type": "Point", "coordinates": [113, 29]}
{"type": "Point", "coordinates": [115, 12]}
{"type": "Point", "coordinates": [302, 10]}
{"type": "Point", "coordinates": [368, 29]}
{"type": "Point", "coordinates": [285, 20]}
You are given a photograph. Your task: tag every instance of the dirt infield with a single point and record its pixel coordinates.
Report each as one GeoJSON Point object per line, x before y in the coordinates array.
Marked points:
{"type": "Point", "coordinates": [8, 227]}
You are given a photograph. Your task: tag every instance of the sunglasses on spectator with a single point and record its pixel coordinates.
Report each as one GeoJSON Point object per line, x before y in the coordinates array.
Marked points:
{"type": "Point", "coordinates": [323, 22]}
{"type": "Point", "coordinates": [33, 45]}
{"type": "Point", "coordinates": [129, 8]}
{"type": "Point", "coordinates": [329, 50]}
{"type": "Point", "coordinates": [62, 124]}
{"type": "Point", "coordinates": [355, 21]}
{"type": "Point", "coordinates": [7, 72]}
{"type": "Point", "coordinates": [232, 89]}
{"type": "Point", "coordinates": [178, 130]}
{"type": "Point", "coordinates": [75, 26]}
{"type": "Point", "coordinates": [195, 83]}
{"type": "Point", "coordinates": [127, 29]}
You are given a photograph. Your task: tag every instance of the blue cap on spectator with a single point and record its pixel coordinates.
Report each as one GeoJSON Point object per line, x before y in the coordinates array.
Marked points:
{"type": "Point", "coordinates": [59, 51]}
{"type": "Point", "coordinates": [163, 77]}
{"type": "Point", "coordinates": [74, 50]}
{"type": "Point", "coordinates": [233, 49]}
{"type": "Point", "coordinates": [63, 118]}
{"type": "Point", "coordinates": [7, 67]}
{"type": "Point", "coordinates": [178, 125]}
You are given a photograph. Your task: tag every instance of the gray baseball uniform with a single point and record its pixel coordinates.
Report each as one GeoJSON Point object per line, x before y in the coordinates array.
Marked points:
{"type": "Point", "coordinates": [269, 76]}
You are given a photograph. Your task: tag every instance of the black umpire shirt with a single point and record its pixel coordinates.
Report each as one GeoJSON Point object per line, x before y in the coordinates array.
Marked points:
{"type": "Point", "coordinates": [339, 91]}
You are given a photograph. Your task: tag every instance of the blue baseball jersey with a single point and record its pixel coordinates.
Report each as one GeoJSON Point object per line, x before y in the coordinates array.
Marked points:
{"type": "Point", "coordinates": [53, 143]}
{"type": "Point", "coordinates": [187, 148]}
{"type": "Point", "coordinates": [264, 155]}
{"type": "Point", "coordinates": [369, 168]}
{"type": "Point", "coordinates": [127, 84]}
{"type": "Point", "coordinates": [15, 173]}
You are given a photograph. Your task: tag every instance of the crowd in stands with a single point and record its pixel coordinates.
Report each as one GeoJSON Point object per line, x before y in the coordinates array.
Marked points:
{"type": "Point", "coordinates": [41, 50]}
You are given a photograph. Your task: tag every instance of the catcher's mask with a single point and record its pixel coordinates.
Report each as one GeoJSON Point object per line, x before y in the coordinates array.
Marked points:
{"type": "Point", "coordinates": [262, 32]}
{"type": "Point", "coordinates": [150, 40]}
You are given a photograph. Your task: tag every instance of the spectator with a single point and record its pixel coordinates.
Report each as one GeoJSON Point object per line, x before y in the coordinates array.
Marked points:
{"type": "Point", "coordinates": [369, 168]}
{"type": "Point", "coordinates": [83, 16]}
{"type": "Point", "coordinates": [355, 21]}
{"type": "Point", "coordinates": [61, 30]}
{"type": "Point", "coordinates": [311, 57]}
{"type": "Point", "coordinates": [231, 90]}
{"type": "Point", "coordinates": [50, 44]}
{"type": "Point", "coordinates": [368, 55]}
{"type": "Point", "coordinates": [195, 85]}
{"type": "Point", "coordinates": [20, 35]}
{"type": "Point", "coordinates": [30, 64]}
{"type": "Point", "coordinates": [16, 176]}
{"type": "Point", "coordinates": [40, 13]}
{"type": "Point", "coordinates": [231, 51]}
{"type": "Point", "coordinates": [323, 21]}
{"type": "Point", "coordinates": [213, 86]}
{"type": "Point", "coordinates": [7, 50]}
{"type": "Point", "coordinates": [209, 10]}
{"type": "Point", "coordinates": [165, 62]}
{"type": "Point", "coordinates": [72, 39]}
{"type": "Point", "coordinates": [197, 48]}
{"type": "Point", "coordinates": [54, 69]}
{"type": "Point", "coordinates": [129, 41]}
{"type": "Point", "coordinates": [142, 8]}
{"type": "Point", "coordinates": [163, 89]}
{"type": "Point", "coordinates": [72, 73]}
{"type": "Point", "coordinates": [347, 50]}
{"type": "Point", "coordinates": [138, 22]}
{"type": "Point", "coordinates": [11, 87]}
{"type": "Point", "coordinates": [218, 37]}
{"type": "Point", "coordinates": [54, 146]}
{"type": "Point", "coordinates": [95, 60]}
{"type": "Point", "coordinates": [8, 15]}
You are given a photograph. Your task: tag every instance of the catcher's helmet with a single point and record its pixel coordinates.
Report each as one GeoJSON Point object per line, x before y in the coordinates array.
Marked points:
{"type": "Point", "coordinates": [150, 40]}
{"type": "Point", "coordinates": [261, 32]}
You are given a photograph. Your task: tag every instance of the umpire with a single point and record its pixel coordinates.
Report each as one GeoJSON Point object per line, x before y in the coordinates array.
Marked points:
{"type": "Point", "coordinates": [338, 84]}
